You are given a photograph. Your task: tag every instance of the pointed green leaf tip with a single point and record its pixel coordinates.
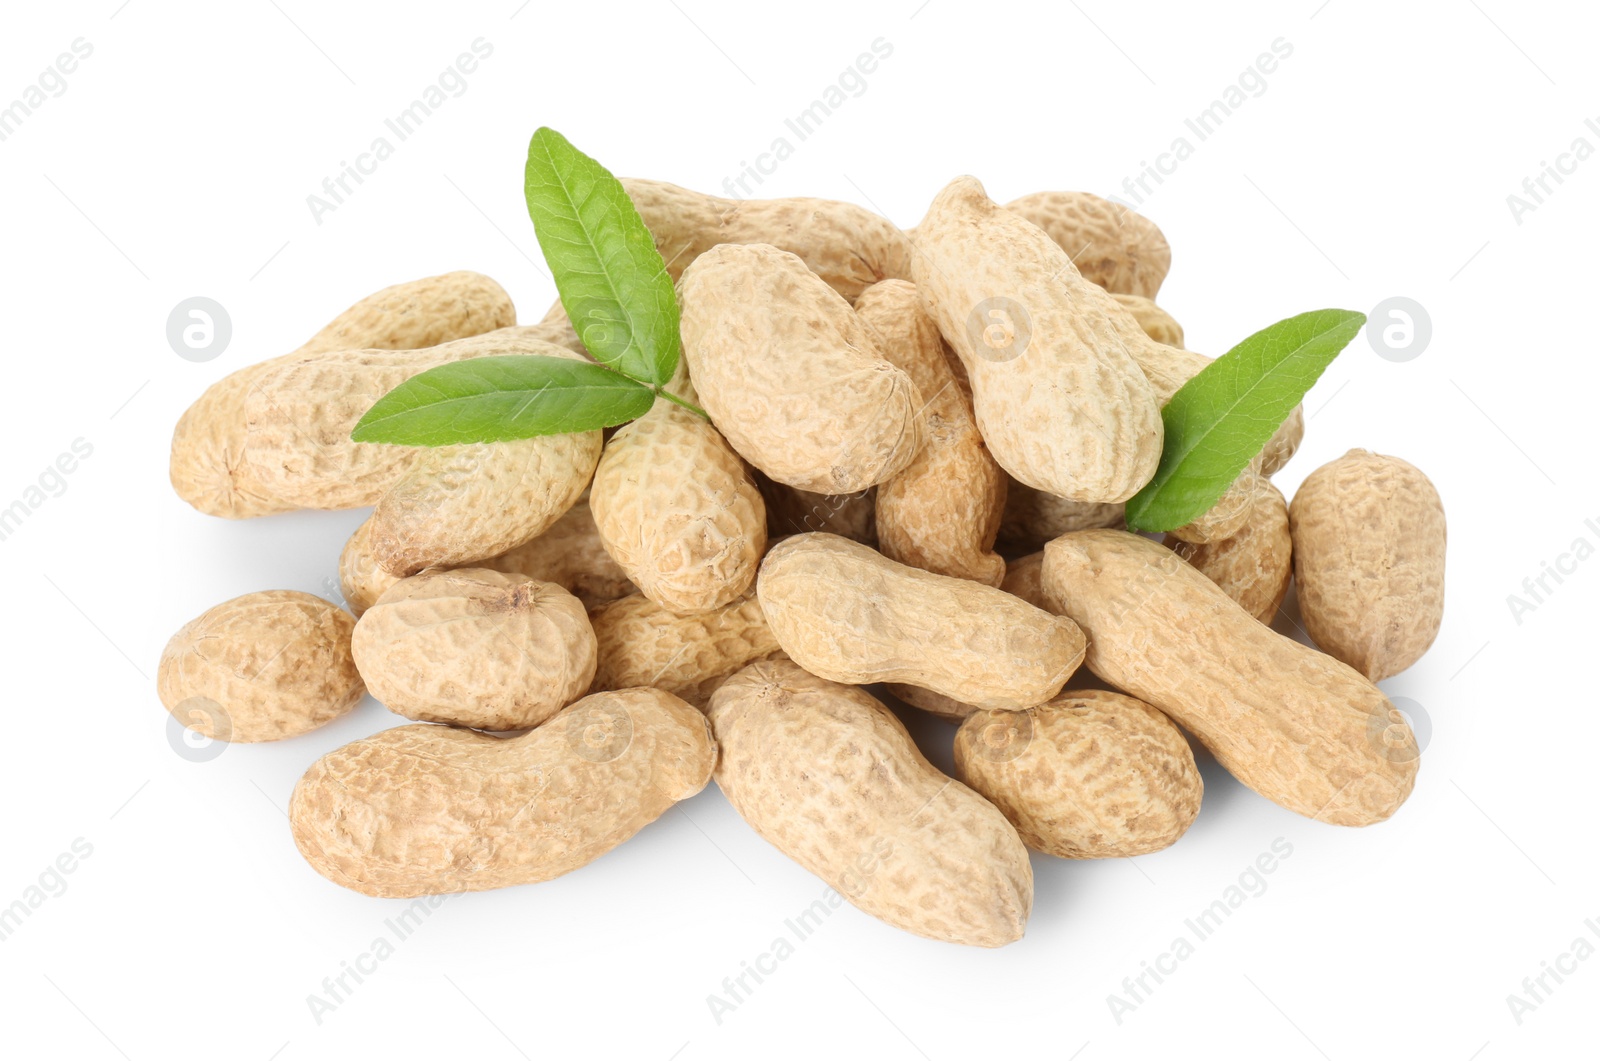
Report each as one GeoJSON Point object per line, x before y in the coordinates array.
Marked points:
{"type": "Point", "coordinates": [612, 281]}
{"type": "Point", "coordinates": [1218, 421]}
{"type": "Point", "coordinates": [498, 399]}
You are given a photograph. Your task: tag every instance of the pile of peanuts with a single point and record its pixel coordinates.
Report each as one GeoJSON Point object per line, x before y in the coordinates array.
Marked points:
{"type": "Point", "coordinates": [910, 488]}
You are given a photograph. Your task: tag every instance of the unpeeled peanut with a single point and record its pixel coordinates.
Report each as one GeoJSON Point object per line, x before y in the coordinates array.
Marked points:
{"type": "Point", "coordinates": [1111, 244]}
{"type": "Point", "coordinates": [849, 614]}
{"type": "Point", "coordinates": [1156, 322]}
{"type": "Point", "coordinates": [641, 643]}
{"type": "Point", "coordinates": [1369, 543]}
{"type": "Point", "coordinates": [430, 810]}
{"type": "Point", "coordinates": [828, 775]}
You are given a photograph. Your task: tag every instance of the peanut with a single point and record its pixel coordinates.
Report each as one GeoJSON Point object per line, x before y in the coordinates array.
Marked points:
{"type": "Point", "coordinates": [208, 467]}
{"type": "Point", "coordinates": [849, 247]}
{"type": "Point", "coordinates": [827, 775]}
{"type": "Point", "coordinates": [1154, 321]}
{"type": "Point", "coordinates": [1111, 245]}
{"type": "Point", "coordinates": [430, 810]}
{"type": "Point", "coordinates": [677, 510]}
{"type": "Point", "coordinates": [1058, 396]}
{"type": "Point", "coordinates": [1253, 566]}
{"type": "Point", "coordinates": [261, 667]}
{"type": "Point", "coordinates": [791, 376]}
{"type": "Point", "coordinates": [849, 614]}
{"type": "Point", "coordinates": [1299, 727]}
{"type": "Point", "coordinates": [641, 643]}
{"type": "Point", "coordinates": [1090, 774]}
{"type": "Point", "coordinates": [1369, 544]}
{"type": "Point", "coordinates": [301, 413]}
{"type": "Point", "coordinates": [942, 512]}
{"type": "Point", "coordinates": [476, 648]}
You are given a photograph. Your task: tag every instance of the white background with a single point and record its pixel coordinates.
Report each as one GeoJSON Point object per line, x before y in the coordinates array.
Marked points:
{"type": "Point", "coordinates": [1376, 163]}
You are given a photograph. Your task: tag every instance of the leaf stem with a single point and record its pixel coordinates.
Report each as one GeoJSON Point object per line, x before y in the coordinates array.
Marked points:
{"type": "Point", "coordinates": [687, 405]}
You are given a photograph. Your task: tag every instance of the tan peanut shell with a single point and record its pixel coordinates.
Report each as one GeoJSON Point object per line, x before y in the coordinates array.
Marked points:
{"type": "Point", "coordinates": [1111, 244]}
{"type": "Point", "coordinates": [1369, 544]}
{"type": "Point", "coordinates": [1058, 396]}
{"type": "Point", "coordinates": [849, 247]}
{"type": "Point", "coordinates": [261, 667]}
{"type": "Point", "coordinates": [791, 376]}
{"type": "Point", "coordinates": [478, 648]}
{"type": "Point", "coordinates": [431, 810]}
{"type": "Point", "coordinates": [942, 512]}
{"type": "Point", "coordinates": [1299, 727]}
{"type": "Point", "coordinates": [677, 510]}
{"type": "Point", "coordinates": [1156, 322]}
{"type": "Point", "coordinates": [849, 614]}
{"type": "Point", "coordinates": [828, 775]}
{"type": "Point", "coordinates": [1253, 566]}
{"type": "Point", "coordinates": [641, 643]}
{"type": "Point", "coordinates": [1091, 774]}
{"type": "Point", "coordinates": [792, 511]}
{"type": "Point", "coordinates": [208, 467]}
{"type": "Point", "coordinates": [301, 413]}
{"type": "Point", "coordinates": [361, 579]}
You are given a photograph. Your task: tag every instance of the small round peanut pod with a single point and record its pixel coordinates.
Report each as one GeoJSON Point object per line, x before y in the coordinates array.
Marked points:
{"type": "Point", "coordinates": [478, 648]}
{"type": "Point", "coordinates": [1369, 544]}
{"type": "Point", "coordinates": [1156, 322]}
{"type": "Point", "coordinates": [261, 667]}
{"type": "Point", "coordinates": [1090, 774]}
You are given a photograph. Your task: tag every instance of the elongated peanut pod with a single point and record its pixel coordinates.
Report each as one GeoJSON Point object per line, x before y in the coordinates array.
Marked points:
{"type": "Point", "coordinates": [942, 513]}
{"type": "Point", "coordinates": [1297, 726]}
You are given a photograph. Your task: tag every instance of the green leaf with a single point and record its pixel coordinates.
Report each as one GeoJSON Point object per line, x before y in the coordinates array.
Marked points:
{"type": "Point", "coordinates": [612, 281]}
{"type": "Point", "coordinates": [496, 399]}
{"type": "Point", "coordinates": [1219, 420]}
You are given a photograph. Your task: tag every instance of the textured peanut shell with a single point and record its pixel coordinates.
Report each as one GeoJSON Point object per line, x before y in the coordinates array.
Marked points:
{"type": "Point", "coordinates": [477, 648]}
{"type": "Point", "coordinates": [641, 643]}
{"type": "Point", "coordinates": [1091, 774]}
{"type": "Point", "coordinates": [261, 667]}
{"type": "Point", "coordinates": [827, 775]}
{"type": "Point", "coordinates": [1253, 566]}
{"type": "Point", "coordinates": [361, 579]}
{"type": "Point", "coordinates": [431, 810]}
{"type": "Point", "coordinates": [208, 467]}
{"type": "Point", "coordinates": [791, 376]}
{"type": "Point", "coordinates": [301, 414]}
{"type": "Point", "coordinates": [677, 510]}
{"type": "Point", "coordinates": [792, 511]}
{"type": "Point", "coordinates": [1058, 396]}
{"type": "Point", "coordinates": [849, 614]}
{"type": "Point", "coordinates": [1369, 544]}
{"type": "Point", "coordinates": [1297, 726]}
{"type": "Point", "coordinates": [1112, 245]}
{"type": "Point", "coordinates": [1230, 513]}
{"type": "Point", "coordinates": [1156, 322]}
{"type": "Point", "coordinates": [461, 504]}
{"type": "Point", "coordinates": [942, 512]}
{"type": "Point", "coordinates": [849, 247]}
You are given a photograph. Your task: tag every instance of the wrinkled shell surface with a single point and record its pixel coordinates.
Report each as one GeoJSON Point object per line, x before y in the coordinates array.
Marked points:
{"type": "Point", "coordinates": [641, 643]}
{"type": "Point", "coordinates": [792, 511]}
{"type": "Point", "coordinates": [476, 648]}
{"type": "Point", "coordinates": [1059, 398]}
{"type": "Point", "coordinates": [1369, 543]}
{"type": "Point", "coordinates": [1112, 245]}
{"type": "Point", "coordinates": [1299, 727]}
{"type": "Point", "coordinates": [1091, 774]}
{"type": "Point", "coordinates": [791, 376]}
{"type": "Point", "coordinates": [849, 614]}
{"type": "Point", "coordinates": [1253, 566]}
{"type": "Point", "coordinates": [301, 413]}
{"type": "Point", "coordinates": [942, 513]}
{"type": "Point", "coordinates": [677, 510]}
{"type": "Point", "coordinates": [1156, 322]}
{"type": "Point", "coordinates": [208, 467]}
{"type": "Point", "coordinates": [361, 579]}
{"type": "Point", "coordinates": [849, 247]}
{"type": "Point", "coordinates": [827, 774]}
{"type": "Point", "coordinates": [1025, 579]}
{"type": "Point", "coordinates": [261, 667]}
{"type": "Point", "coordinates": [431, 810]}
